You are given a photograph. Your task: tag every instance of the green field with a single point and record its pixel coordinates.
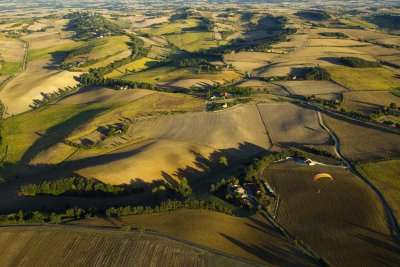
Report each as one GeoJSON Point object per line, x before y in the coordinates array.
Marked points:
{"type": "Point", "coordinates": [364, 78]}
{"type": "Point", "coordinates": [385, 175]}
{"type": "Point", "coordinates": [52, 51]}
{"type": "Point", "coordinates": [29, 133]}
{"type": "Point", "coordinates": [156, 74]}
{"type": "Point", "coordinates": [193, 41]}
{"type": "Point", "coordinates": [175, 27]}
{"type": "Point", "coordinates": [9, 68]}
{"type": "Point", "coordinates": [357, 22]}
{"type": "Point", "coordinates": [104, 49]}
{"type": "Point", "coordinates": [136, 65]}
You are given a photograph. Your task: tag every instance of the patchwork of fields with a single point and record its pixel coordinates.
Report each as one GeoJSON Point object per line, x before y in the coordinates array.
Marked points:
{"type": "Point", "coordinates": [244, 74]}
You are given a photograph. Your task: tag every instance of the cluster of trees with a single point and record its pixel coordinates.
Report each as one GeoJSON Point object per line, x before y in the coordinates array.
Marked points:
{"type": "Point", "coordinates": [316, 73]}
{"type": "Point", "coordinates": [326, 103]}
{"type": "Point", "coordinates": [317, 15]}
{"type": "Point", "coordinates": [234, 90]}
{"type": "Point", "coordinates": [167, 191]}
{"type": "Point", "coordinates": [90, 79]}
{"type": "Point", "coordinates": [207, 24]}
{"type": "Point", "coordinates": [74, 186]}
{"type": "Point", "coordinates": [168, 205]}
{"type": "Point", "coordinates": [356, 62]}
{"type": "Point", "coordinates": [250, 175]}
{"type": "Point", "coordinates": [48, 98]}
{"type": "Point", "coordinates": [202, 64]}
{"type": "Point", "coordinates": [182, 14]}
{"type": "Point", "coordinates": [114, 130]}
{"type": "Point", "coordinates": [339, 35]}
{"type": "Point", "coordinates": [88, 25]}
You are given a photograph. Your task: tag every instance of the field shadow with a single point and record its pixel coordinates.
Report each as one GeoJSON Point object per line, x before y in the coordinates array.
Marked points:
{"type": "Point", "coordinates": [333, 60]}
{"type": "Point", "coordinates": [58, 132]}
{"type": "Point", "coordinates": [209, 166]}
{"type": "Point", "coordinates": [271, 254]}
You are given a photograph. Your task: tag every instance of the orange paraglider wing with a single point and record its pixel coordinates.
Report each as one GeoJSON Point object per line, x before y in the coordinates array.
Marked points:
{"type": "Point", "coordinates": [322, 175]}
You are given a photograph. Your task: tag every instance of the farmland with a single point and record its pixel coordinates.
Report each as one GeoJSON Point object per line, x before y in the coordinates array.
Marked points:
{"type": "Point", "coordinates": [225, 233]}
{"type": "Point", "coordinates": [324, 207]}
{"type": "Point", "coordinates": [360, 141]}
{"type": "Point", "coordinates": [368, 102]}
{"type": "Point", "coordinates": [385, 176]}
{"type": "Point", "coordinates": [321, 89]}
{"type": "Point", "coordinates": [294, 124]}
{"type": "Point", "coordinates": [47, 246]}
{"type": "Point", "coordinates": [364, 79]}
{"type": "Point", "coordinates": [203, 123]}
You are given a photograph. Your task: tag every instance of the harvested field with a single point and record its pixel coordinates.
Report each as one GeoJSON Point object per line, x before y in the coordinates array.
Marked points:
{"type": "Point", "coordinates": [252, 238]}
{"type": "Point", "coordinates": [385, 175]}
{"type": "Point", "coordinates": [50, 51]}
{"type": "Point", "coordinates": [180, 142]}
{"type": "Point", "coordinates": [293, 62]}
{"type": "Point", "coordinates": [322, 89]}
{"type": "Point", "coordinates": [368, 35]}
{"type": "Point", "coordinates": [248, 61]}
{"type": "Point", "coordinates": [73, 246]}
{"type": "Point", "coordinates": [95, 94]}
{"type": "Point", "coordinates": [368, 101]}
{"type": "Point", "coordinates": [142, 22]}
{"type": "Point", "coordinates": [289, 124]}
{"type": "Point", "coordinates": [170, 28]}
{"type": "Point", "coordinates": [151, 105]}
{"type": "Point", "coordinates": [334, 43]}
{"type": "Point", "coordinates": [343, 234]}
{"type": "Point", "coordinates": [188, 83]}
{"type": "Point", "coordinates": [294, 41]}
{"type": "Point", "coordinates": [11, 50]}
{"type": "Point", "coordinates": [361, 141]}
{"type": "Point", "coordinates": [18, 94]}
{"type": "Point", "coordinates": [165, 75]}
{"type": "Point", "coordinates": [193, 41]}
{"type": "Point", "coordinates": [364, 78]}
{"type": "Point", "coordinates": [40, 40]}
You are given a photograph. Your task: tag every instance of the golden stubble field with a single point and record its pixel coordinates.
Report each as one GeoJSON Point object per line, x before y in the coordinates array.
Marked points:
{"type": "Point", "coordinates": [344, 222]}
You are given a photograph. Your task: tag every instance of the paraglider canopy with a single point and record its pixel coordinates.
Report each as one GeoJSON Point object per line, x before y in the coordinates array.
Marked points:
{"type": "Point", "coordinates": [322, 175]}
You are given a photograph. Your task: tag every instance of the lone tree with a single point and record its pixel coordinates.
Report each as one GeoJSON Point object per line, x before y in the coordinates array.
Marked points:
{"type": "Point", "coordinates": [184, 189]}
{"type": "Point", "coordinates": [393, 106]}
{"type": "Point", "coordinates": [223, 161]}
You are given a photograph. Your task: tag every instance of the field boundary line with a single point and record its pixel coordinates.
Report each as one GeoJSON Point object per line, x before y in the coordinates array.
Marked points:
{"type": "Point", "coordinates": [265, 127]}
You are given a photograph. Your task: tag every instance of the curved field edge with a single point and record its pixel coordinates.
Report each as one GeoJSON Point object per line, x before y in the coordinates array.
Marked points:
{"type": "Point", "coordinates": [89, 246]}
{"type": "Point", "coordinates": [385, 176]}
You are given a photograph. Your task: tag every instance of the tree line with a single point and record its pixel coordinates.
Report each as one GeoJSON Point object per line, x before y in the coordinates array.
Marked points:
{"type": "Point", "coordinates": [22, 217]}
{"type": "Point", "coordinates": [75, 186]}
